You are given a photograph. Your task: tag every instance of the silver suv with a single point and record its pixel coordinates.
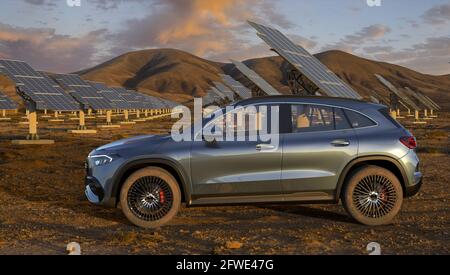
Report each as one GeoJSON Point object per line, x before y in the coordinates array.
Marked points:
{"type": "Point", "coordinates": [330, 149]}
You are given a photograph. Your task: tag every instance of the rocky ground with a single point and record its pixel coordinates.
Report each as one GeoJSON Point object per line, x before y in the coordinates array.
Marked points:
{"type": "Point", "coordinates": [43, 207]}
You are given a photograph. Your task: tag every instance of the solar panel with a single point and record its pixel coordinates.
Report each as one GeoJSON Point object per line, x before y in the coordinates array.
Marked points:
{"type": "Point", "coordinates": [242, 91]}
{"type": "Point", "coordinates": [217, 94]}
{"type": "Point", "coordinates": [424, 99]}
{"type": "Point", "coordinates": [136, 100]}
{"type": "Point", "coordinates": [328, 82]}
{"type": "Point", "coordinates": [422, 102]}
{"type": "Point", "coordinates": [256, 79]}
{"type": "Point", "coordinates": [169, 104]}
{"type": "Point", "coordinates": [98, 85]}
{"type": "Point", "coordinates": [38, 87]}
{"type": "Point", "coordinates": [209, 98]}
{"type": "Point", "coordinates": [410, 104]}
{"type": "Point", "coordinates": [374, 99]}
{"type": "Point", "coordinates": [225, 90]}
{"type": "Point", "coordinates": [6, 103]}
{"type": "Point", "coordinates": [84, 92]}
{"type": "Point", "coordinates": [432, 102]}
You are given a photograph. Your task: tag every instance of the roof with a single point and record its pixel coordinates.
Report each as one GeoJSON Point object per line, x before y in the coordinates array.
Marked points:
{"type": "Point", "coordinates": [321, 100]}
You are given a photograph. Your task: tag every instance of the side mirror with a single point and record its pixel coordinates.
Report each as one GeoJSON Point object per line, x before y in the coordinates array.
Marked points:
{"type": "Point", "coordinates": [210, 140]}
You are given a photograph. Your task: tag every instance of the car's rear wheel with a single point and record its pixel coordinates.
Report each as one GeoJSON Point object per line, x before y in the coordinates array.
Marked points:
{"type": "Point", "coordinates": [150, 197]}
{"type": "Point", "coordinates": [373, 195]}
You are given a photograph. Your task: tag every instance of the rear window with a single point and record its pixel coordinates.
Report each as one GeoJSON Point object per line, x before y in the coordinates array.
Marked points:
{"type": "Point", "coordinates": [358, 120]}
{"type": "Point", "coordinates": [385, 113]}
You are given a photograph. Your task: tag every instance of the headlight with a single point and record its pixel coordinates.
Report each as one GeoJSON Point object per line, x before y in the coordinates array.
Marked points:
{"type": "Point", "coordinates": [101, 160]}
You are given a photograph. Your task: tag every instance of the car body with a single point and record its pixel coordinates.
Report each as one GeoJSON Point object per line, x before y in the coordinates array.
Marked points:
{"type": "Point", "coordinates": [311, 163]}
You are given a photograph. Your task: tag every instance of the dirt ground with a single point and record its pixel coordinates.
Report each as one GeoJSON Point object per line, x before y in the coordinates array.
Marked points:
{"type": "Point", "coordinates": [43, 207]}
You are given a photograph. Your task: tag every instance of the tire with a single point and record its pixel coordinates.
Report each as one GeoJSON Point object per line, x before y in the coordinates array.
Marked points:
{"type": "Point", "coordinates": [150, 197]}
{"type": "Point", "coordinates": [380, 196]}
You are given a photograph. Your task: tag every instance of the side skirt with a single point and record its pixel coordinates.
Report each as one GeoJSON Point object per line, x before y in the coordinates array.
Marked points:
{"type": "Point", "coordinates": [304, 197]}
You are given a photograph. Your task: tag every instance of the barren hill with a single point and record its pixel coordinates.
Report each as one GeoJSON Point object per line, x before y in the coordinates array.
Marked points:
{"type": "Point", "coordinates": [179, 75]}
{"type": "Point", "coordinates": [183, 75]}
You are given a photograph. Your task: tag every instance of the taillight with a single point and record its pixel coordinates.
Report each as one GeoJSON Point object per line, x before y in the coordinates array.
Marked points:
{"type": "Point", "coordinates": [409, 142]}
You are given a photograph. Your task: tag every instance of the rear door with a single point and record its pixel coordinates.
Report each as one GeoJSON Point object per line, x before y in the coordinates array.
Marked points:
{"type": "Point", "coordinates": [315, 152]}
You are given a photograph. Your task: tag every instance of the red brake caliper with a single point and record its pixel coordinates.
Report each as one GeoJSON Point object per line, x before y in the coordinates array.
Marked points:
{"type": "Point", "coordinates": [162, 198]}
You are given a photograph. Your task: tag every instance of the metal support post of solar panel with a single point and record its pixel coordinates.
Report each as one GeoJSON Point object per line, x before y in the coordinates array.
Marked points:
{"type": "Point", "coordinates": [242, 91]}
{"type": "Point", "coordinates": [39, 92]}
{"type": "Point", "coordinates": [262, 87]}
{"type": "Point", "coordinates": [6, 104]}
{"type": "Point", "coordinates": [310, 74]}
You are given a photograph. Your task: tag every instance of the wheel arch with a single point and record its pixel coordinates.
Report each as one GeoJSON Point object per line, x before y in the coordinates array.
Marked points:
{"type": "Point", "coordinates": [169, 165]}
{"type": "Point", "coordinates": [386, 162]}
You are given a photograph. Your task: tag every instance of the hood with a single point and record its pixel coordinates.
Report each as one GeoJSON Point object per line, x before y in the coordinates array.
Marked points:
{"type": "Point", "coordinates": [134, 141]}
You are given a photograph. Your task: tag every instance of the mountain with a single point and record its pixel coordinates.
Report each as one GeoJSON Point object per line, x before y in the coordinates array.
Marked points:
{"type": "Point", "coordinates": [172, 73]}
{"type": "Point", "coordinates": [179, 75]}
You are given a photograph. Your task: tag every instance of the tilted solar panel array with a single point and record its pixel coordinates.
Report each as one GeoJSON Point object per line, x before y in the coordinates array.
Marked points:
{"type": "Point", "coordinates": [140, 101]}
{"type": "Point", "coordinates": [38, 87]}
{"type": "Point", "coordinates": [225, 91]}
{"type": "Point", "coordinates": [127, 99]}
{"type": "Point", "coordinates": [255, 78]}
{"type": "Point", "coordinates": [218, 94]}
{"type": "Point", "coordinates": [403, 98]}
{"type": "Point", "coordinates": [242, 91]}
{"type": "Point", "coordinates": [84, 92]}
{"type": "Point", "coordinates": [412, 94]}
{"type": "Point", "coordinates": [170, 104]}
{"type": "Point", "coordinates": [209, 99]}
{"type": "Point", "coordinates": [328, 82]}
{"type": "Point", "coordinates": [431, 101]}
{"type": "Point", "coordinates": [6, 103]}
{"type": "Point", "coordinates": [98, 85]}
{"type": "Point", "coordinates": [423, 99]}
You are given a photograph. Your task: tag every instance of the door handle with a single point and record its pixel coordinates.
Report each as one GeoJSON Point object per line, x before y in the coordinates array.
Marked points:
{"type": "Point", "coordinates": [264, 147]}
{"type": "Point", "coordinates": [340, 143]}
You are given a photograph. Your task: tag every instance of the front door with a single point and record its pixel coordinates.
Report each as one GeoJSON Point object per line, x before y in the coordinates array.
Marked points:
{"type": "Point", "coordinates": [237, 171]}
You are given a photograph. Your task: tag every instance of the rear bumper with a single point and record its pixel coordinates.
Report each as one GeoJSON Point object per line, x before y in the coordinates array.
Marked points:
{"type": "Point", "coordinates": [414, 189]}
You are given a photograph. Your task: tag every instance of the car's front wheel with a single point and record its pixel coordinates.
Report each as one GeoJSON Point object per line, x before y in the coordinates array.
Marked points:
{"type": "Point", "coordinates": [150, 197]}
{"type": "Point", "coordinates": [373, 195]}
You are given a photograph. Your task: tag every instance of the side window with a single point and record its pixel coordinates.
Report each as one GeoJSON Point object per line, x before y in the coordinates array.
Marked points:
{"type": "Point", "coordinates": [358, 120]}
{"type": "Point", "coordinates": [340, 120]}
{"type": "Point", "coordinates": [247, 121]}
{"type": "Point", "coordinates": [311, 118]}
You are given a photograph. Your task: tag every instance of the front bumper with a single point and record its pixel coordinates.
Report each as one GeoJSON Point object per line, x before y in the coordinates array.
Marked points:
{"type": "Point", "coordinates": [94, 190]}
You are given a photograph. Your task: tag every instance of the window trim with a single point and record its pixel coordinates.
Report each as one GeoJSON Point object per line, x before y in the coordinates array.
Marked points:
{"type": "Point", "coordinates": [373, 121]}
{"type": "Point", "coordinates": [279, 104]}
{"type": "Point", "coordinates": [376, 124]}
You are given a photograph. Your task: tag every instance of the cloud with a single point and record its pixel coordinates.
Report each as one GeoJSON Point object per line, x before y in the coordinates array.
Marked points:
{"type": "Point", "coordinates": [46, 50]}
{"type": "Point", "coordinates": [378, 49]}
{"type": "Point", "coordinates": [350, 43]}
{"type": "Point", "coordinates": [369, 33]}
{"type": "Point", "coordinates": [437, 15]}
{"type": "Point", "coordinates": [203, 27]}
{"type": "Point", "coordinates": [431, 56]}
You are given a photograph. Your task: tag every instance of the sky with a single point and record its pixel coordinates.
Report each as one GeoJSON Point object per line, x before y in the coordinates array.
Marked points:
{"type": "Point", "coordinates": [54, 36]}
